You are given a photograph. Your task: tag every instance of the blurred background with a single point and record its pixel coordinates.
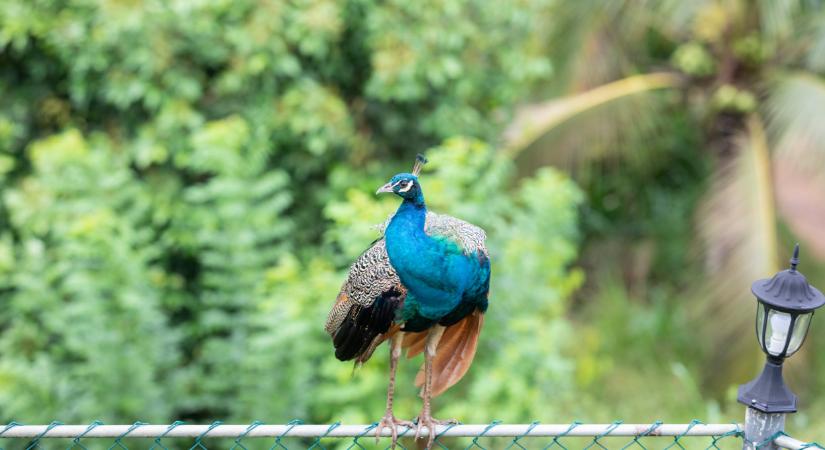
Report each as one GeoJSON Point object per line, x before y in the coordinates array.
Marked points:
{"type": "Point", "coordinates": [184, 183]}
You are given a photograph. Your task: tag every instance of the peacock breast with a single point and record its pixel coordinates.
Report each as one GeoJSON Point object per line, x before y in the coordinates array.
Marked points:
{"type": "Point", "coordinates": [434, 272]}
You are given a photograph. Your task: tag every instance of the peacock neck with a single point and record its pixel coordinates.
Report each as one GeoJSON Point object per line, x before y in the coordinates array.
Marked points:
{"type": "Point", "coordinates": [410, 216]}
{"type": "Point", "coordinates": [407, 242]}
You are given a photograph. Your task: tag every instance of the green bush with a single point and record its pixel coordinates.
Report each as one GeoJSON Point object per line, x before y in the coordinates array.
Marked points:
{"type": "Point", "coordinates": [184, 183]}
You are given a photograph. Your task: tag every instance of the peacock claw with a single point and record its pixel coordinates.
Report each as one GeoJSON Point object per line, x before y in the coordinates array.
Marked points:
{"type": "Point", "coordinates": [428, 422]}
{"type": "Point", "coordinates": [389, 421]}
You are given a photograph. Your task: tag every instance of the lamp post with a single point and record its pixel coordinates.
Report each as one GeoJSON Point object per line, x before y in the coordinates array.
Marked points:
{"type": "Point", "coordinates": [785, 306]}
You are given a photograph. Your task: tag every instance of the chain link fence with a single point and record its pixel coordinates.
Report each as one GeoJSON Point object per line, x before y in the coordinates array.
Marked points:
{"type": "Point", "coordinates": [296, 435]}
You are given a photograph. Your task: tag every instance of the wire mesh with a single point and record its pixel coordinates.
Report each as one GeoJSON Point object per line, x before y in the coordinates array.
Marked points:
{"type": "Point", "coordinates": [296, 435]}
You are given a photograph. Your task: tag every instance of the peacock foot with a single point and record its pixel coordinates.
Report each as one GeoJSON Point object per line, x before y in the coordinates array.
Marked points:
{"type": "Point", "coordinates": [425, 420]}
{"type": "Point", "coordinates": [390, 421]}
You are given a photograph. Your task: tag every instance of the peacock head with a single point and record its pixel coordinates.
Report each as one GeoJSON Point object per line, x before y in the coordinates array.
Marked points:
{"type": "Point", "coordinates": [406, 185]}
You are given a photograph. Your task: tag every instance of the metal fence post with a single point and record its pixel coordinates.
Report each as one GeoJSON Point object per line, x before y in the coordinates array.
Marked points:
{"type": "Point", "coordinates": [759, 427]}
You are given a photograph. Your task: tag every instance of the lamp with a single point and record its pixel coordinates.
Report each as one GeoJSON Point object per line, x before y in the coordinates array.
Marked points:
{"type": "Point", "coordinates": [786, 304]}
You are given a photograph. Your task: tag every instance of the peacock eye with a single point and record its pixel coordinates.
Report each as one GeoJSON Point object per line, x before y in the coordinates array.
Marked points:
{"type": "Point", "coordinates": [405, 186]}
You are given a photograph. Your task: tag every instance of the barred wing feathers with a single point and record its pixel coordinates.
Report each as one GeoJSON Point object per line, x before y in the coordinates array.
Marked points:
{"type": "Point", "coordinates": [365, 307]}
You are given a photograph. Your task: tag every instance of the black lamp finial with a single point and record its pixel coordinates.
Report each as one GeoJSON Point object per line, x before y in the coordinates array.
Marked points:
{"type": "Point", "coordinates": [795, 259]}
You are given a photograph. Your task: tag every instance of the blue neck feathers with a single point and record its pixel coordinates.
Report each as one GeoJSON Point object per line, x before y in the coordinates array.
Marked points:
{"type": "Point", "coordinates": [412, 212]}
{"type": "Point", "coordinates": [408, 245]}
{"type": "Point", "coordinates": [405, 232]}
{"type": "Point", "coordinates": [418, 200]}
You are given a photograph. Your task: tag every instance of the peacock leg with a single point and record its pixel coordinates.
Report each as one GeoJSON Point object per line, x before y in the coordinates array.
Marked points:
{"type": "Point", "coordinates": [425, 419]}
{"type": "Point", "coordinates": [389, 420]}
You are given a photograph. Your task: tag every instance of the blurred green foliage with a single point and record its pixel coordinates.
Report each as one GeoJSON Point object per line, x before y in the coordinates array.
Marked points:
{"type": "Point", "coordinates": [184, 184]}
{"type": "Point", "coordinates": [691, 127]}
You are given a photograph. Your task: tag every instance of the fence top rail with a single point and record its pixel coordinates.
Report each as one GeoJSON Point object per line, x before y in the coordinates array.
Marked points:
{"type": "Point", "coordinates": [786, 441]}
{"type": "Point", "coordinates": [340, 431]}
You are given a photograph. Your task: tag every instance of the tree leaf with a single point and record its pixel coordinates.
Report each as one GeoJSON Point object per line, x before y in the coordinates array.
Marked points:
{"type": "Point", "coordinates": [537, 120]}
{"type": "Point", "coordinates": [737, 227]}
{"type": "Point", "coordinates": [795, 112]}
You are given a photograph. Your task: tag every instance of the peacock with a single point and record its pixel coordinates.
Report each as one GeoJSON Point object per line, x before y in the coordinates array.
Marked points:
{"type": "Point", "coordinates": [423, 286]}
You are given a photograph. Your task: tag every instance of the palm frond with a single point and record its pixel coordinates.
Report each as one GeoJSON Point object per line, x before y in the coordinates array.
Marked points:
{"type": "Point", "coordinates": [796, 112]}
{"type": "Point", "coordinates": [587, 41]}
{"type": "Point", "coordinates": [737, 227]}
{"type": "Point", "coordinates": [778, 19]}
{"type": "Point", "coordinates": [676, 17]}
{"type": "Point", "coordinates": [799, 196]}
{"type": "Point", "coordinates": [815, 52]}
{"type": "Point", "coordinates": [605, 114]}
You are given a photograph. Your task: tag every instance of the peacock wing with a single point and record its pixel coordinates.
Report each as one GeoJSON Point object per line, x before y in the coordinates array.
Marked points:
{"type": "Point", "coordinates": [365, 309]}
{"type": "Point", "coordinates": [469, 238]}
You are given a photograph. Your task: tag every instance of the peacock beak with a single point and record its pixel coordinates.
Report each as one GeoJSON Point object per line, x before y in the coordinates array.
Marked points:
{"type": "Point", "coordinates": [385, 188]}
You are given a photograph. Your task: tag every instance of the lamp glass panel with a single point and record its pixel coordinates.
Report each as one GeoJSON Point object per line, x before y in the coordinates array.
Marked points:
{"type": "Point", "coordinates": [777, 331]}
{"type": "Point", "coordinates": [760, 319]}
{"type": "Point", "coordinates": [800, 329]}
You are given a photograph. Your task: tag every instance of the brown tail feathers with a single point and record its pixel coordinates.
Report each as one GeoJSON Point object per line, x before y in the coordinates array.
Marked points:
{"type": "Point", "coordinates": [454, 353]}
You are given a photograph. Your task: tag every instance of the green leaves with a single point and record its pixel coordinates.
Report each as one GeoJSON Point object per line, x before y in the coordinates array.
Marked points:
{"type": "Point", "coordinates": [218, 147]}
{"type": "Point", "coordinates": [441, 53]}
{"type": "Point", "coordinates": [314, 115]}
{"type": "Point", "coordinates": [183, 184]}
{"type": "Point", "coordinates": [81, 317]}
